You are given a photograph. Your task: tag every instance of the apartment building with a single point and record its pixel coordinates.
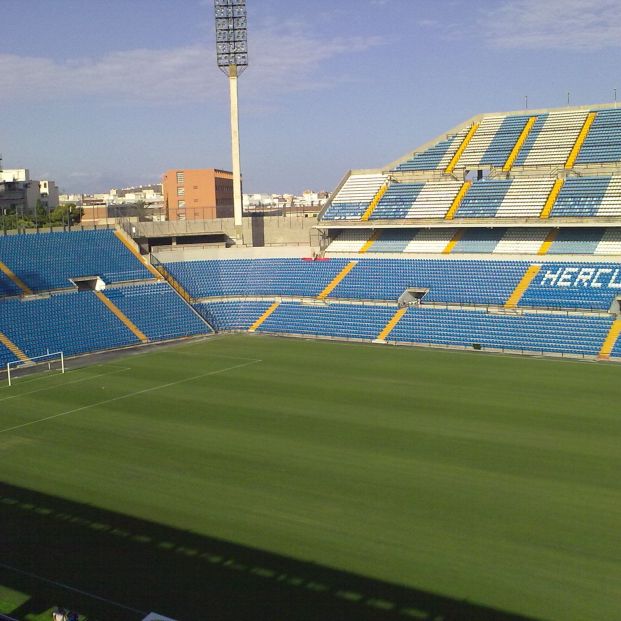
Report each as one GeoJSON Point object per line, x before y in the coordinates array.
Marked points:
{"type": "Point", "coordinates": [198, 194]}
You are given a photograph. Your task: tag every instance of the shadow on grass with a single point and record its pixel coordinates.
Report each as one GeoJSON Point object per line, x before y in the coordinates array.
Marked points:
{"type": "Point", "coordinates": [112, 566]}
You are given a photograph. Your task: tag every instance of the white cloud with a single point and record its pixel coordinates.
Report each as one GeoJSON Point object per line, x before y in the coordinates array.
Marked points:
{"type": "Point", "coordinates": [554, 24]}
{"type": "Point", "coordinates": [283, 58]}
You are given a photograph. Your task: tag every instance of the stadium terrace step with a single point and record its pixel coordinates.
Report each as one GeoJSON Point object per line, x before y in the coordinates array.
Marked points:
{"type": "Point", "coordinates": [263, 317]}
{"type": "Point", "coordinates": [450, 214]}
{"type": "Point", "coordinates": [14, 349]}
{"type": "Point", "coordinates": [388, 328]}
{"type": "Point", "coordinates": [337, 279]}
{"type": "Point", "coordinates": [519, 144]}
{"type": "Point", "coordinates": [122, 316]}
{"type": "Point", "coordinates": [610, 340]}
{"type": "Point", "coordinates": [462, 147]}
{"type": "Point", "coordinates": [518, 292]}
{"type": "Point", "coordinates": [571, 160]}
{"type": "Point", "coordinates": [15, 279]}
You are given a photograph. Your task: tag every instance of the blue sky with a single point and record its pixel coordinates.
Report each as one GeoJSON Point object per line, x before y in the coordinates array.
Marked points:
{"type": "Point", "coordinates": [107, 94]}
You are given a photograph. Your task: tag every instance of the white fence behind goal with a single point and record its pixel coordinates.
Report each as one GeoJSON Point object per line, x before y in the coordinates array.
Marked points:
{"type": "Point", "coordinates": [51, 362]}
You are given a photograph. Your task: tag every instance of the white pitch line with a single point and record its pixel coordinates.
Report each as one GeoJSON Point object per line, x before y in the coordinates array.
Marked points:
{"type": "Point", "coordinates": [84, 379]}
{"type": "Point", "coordinates": [131, 394]}
{"type": "Point", "coordinates": [70, 588]}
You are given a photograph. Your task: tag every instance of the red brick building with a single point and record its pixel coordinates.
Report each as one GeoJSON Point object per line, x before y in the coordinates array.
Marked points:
{"type": "Point", "coordinates": [198, 194]}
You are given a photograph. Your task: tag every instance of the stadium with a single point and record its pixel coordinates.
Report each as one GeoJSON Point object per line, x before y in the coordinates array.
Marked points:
{"type": "Point", "coordinates": [411, 417]}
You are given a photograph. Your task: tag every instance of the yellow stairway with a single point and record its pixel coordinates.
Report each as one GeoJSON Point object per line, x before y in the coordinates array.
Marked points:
{"type": "Point", "coordinates": [16, 279]}
{"type": "Point", "coordinates": [584, 132]}
{"type": "Point", "coordinates": [263, 317]}
{"type": "Point", "coordinates": [611, 339]}
{"type": "Point", "coordinates": [554, 192]}
{"type": "Point", "coordinates": [449, 247]}
{"type": "Point", "coordinates": [374, 237]}
{"type": "Point", "coordinates": [462, 147]}
{"type": "Point", "coordinates": [518, 292]}
{"type": "Point", "coordinates": [14, 349]}
{"type": "Point", "coordinates": [336, 280]}
{"type": "Point", "coordinates": [519, 144]}
{"type": "Point", "coordinates": [549, 240]}
{"type": "Point", "coordinates": [375, 202]}
{"type": "Point", "coordinates": [388, 328]}
{"type": "Point", "coordinates": [112, 307]}
{"type": "Point", "coordinates": [450, 214]}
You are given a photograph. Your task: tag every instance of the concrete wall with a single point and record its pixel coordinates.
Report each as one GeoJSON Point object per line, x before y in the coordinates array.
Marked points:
{"type": "Point", "coordinates": [187, 253]}
{"type": "Point", "coordinates": [256, 231]}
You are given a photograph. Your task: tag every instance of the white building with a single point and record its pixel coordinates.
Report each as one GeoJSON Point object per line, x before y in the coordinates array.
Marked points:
{"type": "Point", "coordinates": [21, 193]}
{"type": "Point", "coordinates": [50, 198]}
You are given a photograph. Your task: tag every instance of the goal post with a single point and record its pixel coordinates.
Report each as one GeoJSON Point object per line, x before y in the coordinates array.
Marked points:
{"type": "Point", "coordinates": [51, 362]}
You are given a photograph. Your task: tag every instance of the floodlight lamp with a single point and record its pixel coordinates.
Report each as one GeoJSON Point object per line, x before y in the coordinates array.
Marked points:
{"type": "Point", "coordinates": [231, 35]}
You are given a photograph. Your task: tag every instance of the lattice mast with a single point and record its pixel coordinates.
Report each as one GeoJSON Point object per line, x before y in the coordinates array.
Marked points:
{"type": "Point", "coordinates": [232, 59]}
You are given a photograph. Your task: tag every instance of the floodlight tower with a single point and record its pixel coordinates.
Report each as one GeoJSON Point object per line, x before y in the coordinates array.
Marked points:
{"type": "Point", "coordinates": [232, 57]}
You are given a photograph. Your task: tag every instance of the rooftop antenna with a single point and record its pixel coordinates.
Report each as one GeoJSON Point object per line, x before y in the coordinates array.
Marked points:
{"type": "Point", "coordinates": [614, 89]}
{"type": "Point", "coordinates": [526, 101]}
{"type": "Point", "coordinates": [568, 94]}
{"type": "Point", "coordinates": [232, 59]}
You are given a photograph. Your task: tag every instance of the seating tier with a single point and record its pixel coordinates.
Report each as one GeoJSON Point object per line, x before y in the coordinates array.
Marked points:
{"type": "Point", "coordinates": [541, 332]}
{"type": "Point", "coordinates": [352, 321]}
{"type": "Point", "coordinates": [517, 241]}
{"type": "Point", "coordinates": [354, 197]}
{"type": "Point", "coordinates": [47, 261]}
{"type": "Point", "coordinates": [603, 142]}
{"type": "Point", "coordinates": [589, 197]}
{"type": "Point", "coordinates": [232, 315]}
{"type": "Point", "coordinates": [74, 323]}
{"type": "Point", "coordinates": [436, 157]}
{"type": "Point", "coordinates": [552, 138]}
{"type": "Point", "coordinates": [157, 311]}
{"type": "Point", "coordinates": [248, 277]}
{"type": "Point", "coordinates": [416, 200]}
{"type": "Point", "coordinates": [527, 332]}
{"type": "Point", "coordinates": [493, 141]}
{"type": "Point", "coordinates": [591, 286]}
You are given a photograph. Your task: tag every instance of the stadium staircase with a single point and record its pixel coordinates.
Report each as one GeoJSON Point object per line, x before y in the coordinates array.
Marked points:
{"type": "Point", "coordinates": [336, 280]}
{"type": "Point", "coordinates": [519, 144]}
{"type": "Point", "coordinates": [389, 327]}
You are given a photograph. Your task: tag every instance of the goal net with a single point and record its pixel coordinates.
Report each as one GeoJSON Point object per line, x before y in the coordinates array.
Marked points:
{"type": "Point", "coordinates": [48, 363]}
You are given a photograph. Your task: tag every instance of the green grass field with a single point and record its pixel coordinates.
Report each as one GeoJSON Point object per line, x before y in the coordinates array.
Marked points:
{"type": "Point", "coordinates": [262, 478]}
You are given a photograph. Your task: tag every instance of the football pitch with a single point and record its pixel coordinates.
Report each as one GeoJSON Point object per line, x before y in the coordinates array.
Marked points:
{"type": "Point", "coordinates": [249, 477]}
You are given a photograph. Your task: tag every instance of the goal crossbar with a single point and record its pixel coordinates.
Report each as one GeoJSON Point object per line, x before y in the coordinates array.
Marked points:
{"type": "Point", "coordinates": [48, 359]}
